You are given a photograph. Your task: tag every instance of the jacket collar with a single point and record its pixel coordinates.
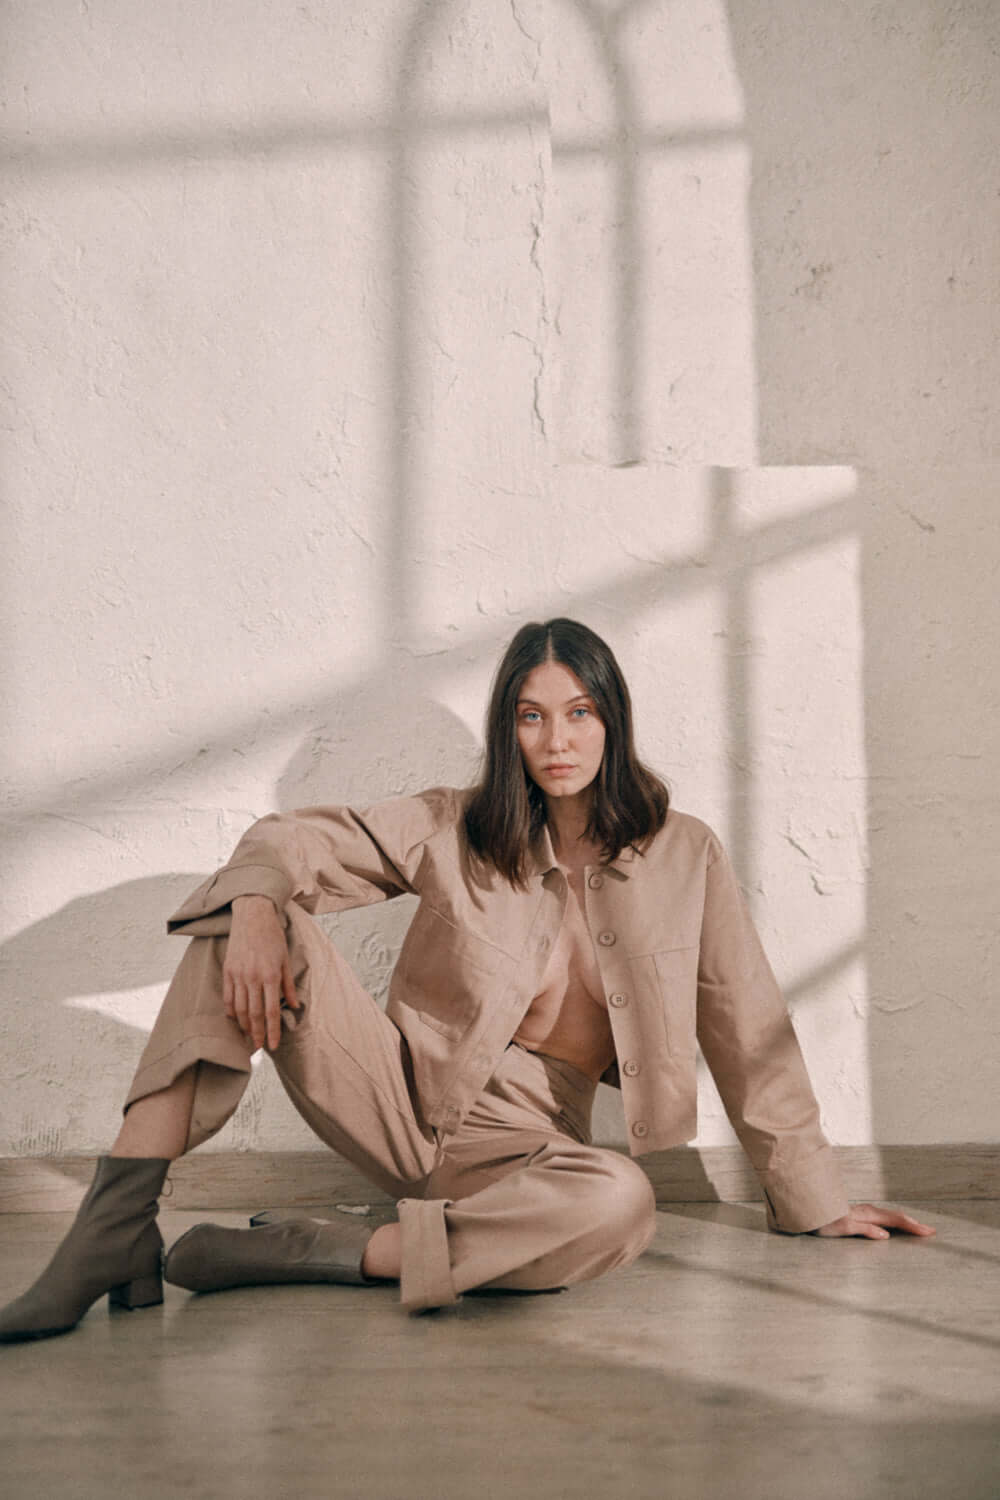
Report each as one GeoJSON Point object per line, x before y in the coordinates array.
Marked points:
{"type": "Point", "coordinates": [542, 858]}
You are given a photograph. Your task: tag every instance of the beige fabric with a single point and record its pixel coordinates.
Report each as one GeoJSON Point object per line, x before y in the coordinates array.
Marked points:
{"type": "Point", "coordinates": [568, 1018]}
{"type": "Point", "coordinates": [517, 1199]}
{"type": "Point", "coordinates": [679, 959]}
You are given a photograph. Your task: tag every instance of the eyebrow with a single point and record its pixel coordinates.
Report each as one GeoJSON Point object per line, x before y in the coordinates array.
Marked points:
{"type": "Point", "coordinates": [533, 703]}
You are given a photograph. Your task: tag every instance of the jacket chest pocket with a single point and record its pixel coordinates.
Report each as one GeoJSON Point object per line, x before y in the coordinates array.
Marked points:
{"type": "Point", "coordinates": [677, 982]}
{"type": "Point", "coordinates": [445, 974]}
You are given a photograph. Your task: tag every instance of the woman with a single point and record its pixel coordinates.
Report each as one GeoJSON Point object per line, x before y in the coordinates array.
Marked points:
{"type": "Point", "coordinates": [570, 929]}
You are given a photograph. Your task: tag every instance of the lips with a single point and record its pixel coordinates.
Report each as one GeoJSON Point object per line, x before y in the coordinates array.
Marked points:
{"type": "Point", "coordinates": [559, 770]}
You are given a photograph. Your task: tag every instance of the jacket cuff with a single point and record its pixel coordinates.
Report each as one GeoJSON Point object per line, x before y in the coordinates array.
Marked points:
{"type": "Point", "coordinates": [207, 911]}
{"type": "Point", "coordinates": [806, 1196]}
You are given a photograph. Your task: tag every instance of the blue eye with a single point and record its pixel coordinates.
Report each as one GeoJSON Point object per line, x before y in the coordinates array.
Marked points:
{"type": "Point", "coordinates": [582, 710]}
{"type": "Point", "coordinates": [530, 715]}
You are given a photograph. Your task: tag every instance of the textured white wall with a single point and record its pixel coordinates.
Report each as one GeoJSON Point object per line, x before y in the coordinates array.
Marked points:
{"type": "Point", "coordinates": [339, 343]}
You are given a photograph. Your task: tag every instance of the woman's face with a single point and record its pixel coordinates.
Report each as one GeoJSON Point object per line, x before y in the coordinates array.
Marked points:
{"type": "Point", "coordinates": [558, 730]}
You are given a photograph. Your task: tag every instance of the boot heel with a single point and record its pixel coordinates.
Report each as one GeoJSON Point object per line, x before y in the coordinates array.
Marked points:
{"type": "Point", "coordinates": [143, 1291]}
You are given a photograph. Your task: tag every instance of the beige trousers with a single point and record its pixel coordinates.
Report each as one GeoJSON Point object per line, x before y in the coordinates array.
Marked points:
{"type": "Point", "coordinates": [517, 1199]}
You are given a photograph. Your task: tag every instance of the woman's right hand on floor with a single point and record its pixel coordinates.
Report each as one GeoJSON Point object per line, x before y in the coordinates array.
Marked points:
{"type": "Point", "coordinates": [257, 971]}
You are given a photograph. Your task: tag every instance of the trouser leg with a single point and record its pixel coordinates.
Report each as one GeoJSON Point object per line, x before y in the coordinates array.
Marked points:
{"type": "Point", "coordinates": [346, 1068]}
{"type": "Point", "coordinates": [520, 1199]}
{"type": "Point", "coordinates": [515, 1202]}
{"type": "Point", "coordinates": [557, 1213]}
{"type": "Point", "coordinates": [193, 1030]}
{"type": "Point", "coordinates": [341, 1060]}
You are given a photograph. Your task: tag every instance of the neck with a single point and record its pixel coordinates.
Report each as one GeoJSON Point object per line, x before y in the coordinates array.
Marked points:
{"type": "Point", "coordinates": [567, 818]}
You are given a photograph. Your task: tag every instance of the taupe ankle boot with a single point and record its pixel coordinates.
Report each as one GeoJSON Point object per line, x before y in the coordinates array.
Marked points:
{"type": "Point", "coordinates": [210, 1258]}
{"type": "Point", "coordinates": [113, 1246]}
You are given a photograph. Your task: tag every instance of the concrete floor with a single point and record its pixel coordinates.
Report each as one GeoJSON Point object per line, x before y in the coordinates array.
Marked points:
{"type": "Point", "coordinates": [726, 1363]}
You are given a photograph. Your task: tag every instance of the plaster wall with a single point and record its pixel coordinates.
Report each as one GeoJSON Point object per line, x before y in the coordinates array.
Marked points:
{"type": "Point", "coordinates": [337, 345]}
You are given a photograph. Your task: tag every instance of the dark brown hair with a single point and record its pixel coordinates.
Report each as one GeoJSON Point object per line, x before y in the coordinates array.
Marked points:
{"type": "Point", "coordinates": [507, 810]}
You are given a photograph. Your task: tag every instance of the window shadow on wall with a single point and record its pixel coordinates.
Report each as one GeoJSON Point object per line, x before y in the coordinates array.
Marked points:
{"type": "Point", "coordinates": [409, 670]}
{"type": "Point", "coordinates": [918, 705]}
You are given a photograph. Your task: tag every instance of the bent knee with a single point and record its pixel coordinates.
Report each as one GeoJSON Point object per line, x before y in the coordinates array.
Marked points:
{"type": "Point", "coordinates": [615, 1215]}
{"type": "Point", "coordinates": [612, 1203]}
{"type": "Point", "coordinates": [628, 1203]}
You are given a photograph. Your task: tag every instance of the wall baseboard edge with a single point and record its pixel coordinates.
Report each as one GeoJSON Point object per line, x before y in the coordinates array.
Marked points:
{"type": "Point", "coordinates": [287, 1179]}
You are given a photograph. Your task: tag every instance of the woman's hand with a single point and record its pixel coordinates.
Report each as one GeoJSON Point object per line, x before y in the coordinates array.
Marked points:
{"type": "Point", "coordinates": [257, 971]}
{"type": "Point", "coordinates": [873, 1223]}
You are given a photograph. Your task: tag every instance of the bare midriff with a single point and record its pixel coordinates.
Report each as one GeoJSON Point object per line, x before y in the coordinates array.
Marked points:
{"type": "Point", "coordinates": [568, 1018]}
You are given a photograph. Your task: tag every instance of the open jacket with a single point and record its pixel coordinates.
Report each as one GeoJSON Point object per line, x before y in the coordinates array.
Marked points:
{"type": "Point", "coordinates": [679, 956]}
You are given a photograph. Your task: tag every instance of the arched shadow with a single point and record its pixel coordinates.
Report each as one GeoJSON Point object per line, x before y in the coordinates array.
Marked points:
{"type": "Point", "coordinates": [407, 652]}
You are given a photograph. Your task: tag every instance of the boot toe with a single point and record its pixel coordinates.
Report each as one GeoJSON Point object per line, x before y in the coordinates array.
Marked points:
{"type": "Point", "coordinates": [22, 1320]}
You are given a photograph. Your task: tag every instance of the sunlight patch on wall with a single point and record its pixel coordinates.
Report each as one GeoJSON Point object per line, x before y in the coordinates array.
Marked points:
{"type": "Point", "coordinates": [135, 1008]}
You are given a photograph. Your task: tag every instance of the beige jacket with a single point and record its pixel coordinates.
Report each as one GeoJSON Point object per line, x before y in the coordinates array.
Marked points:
{"type": "Point", "coordinates": [678, 953]}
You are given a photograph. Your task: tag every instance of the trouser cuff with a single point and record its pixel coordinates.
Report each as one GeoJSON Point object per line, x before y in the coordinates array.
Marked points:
{"type": "Point", "coordinates": [425, 1276]}
{"type": "Point", "coordinates": [215, 1044]}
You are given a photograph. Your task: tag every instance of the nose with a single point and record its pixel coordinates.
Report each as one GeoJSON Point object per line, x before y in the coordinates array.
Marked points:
{"type": "Point", "coordinates": [557, 737]}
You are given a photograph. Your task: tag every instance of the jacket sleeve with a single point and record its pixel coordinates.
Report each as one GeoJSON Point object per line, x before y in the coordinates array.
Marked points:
{"type": "Point", "coordinates": [325, 859]}
{"type": "Point", "coordinates": [748, 1041]}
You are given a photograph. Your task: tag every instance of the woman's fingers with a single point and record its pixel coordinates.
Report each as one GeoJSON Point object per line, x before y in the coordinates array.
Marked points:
{"type": "Point", "coordinates": [240, 1007]}
{"type": "Point", "coordinates": [852, 1224]}
{"type": "Point", "coordinates": [895, 1218]}
{"type": "Point", "coordinates": [914, 1226]}
{"type": "Point", "coordinates": [866, 1229]}
{"type": "Point", "coordinates": [256, 1014]}
{"type": "Point", "coordinates": [255, 1006]}
{"type": "Point", "coordinates": [868, 1220]}
{"type": "Point", "coordinates": [288, 983]}
{"type": "Point", "coordinates": [248, 1011]}
{"type": "Point", "coordinates": [873, 1223]}
{"type": "Point", "coordinates": [254, 971]}
{"type": "Point", "coordinates": [272, 1014]}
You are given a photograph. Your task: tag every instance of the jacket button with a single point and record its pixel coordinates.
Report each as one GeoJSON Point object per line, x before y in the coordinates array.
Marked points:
{"type": "Point", "coordinates": [618, 1001]}
{"type": "Point", "coordinates": [595, 882]}
{"type": "Point", "coordinates": [640, 1128]}
{"type": "Point", "coordinates": [543, 945]}
{"type": "Point", "coordinates": [631, 1069]}
{"type": "Point", "coordinates": [606, 939]}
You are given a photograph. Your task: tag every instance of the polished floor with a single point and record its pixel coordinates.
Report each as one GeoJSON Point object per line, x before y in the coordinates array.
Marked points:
{"type": "Point", "coordinates": [726, 1363]}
